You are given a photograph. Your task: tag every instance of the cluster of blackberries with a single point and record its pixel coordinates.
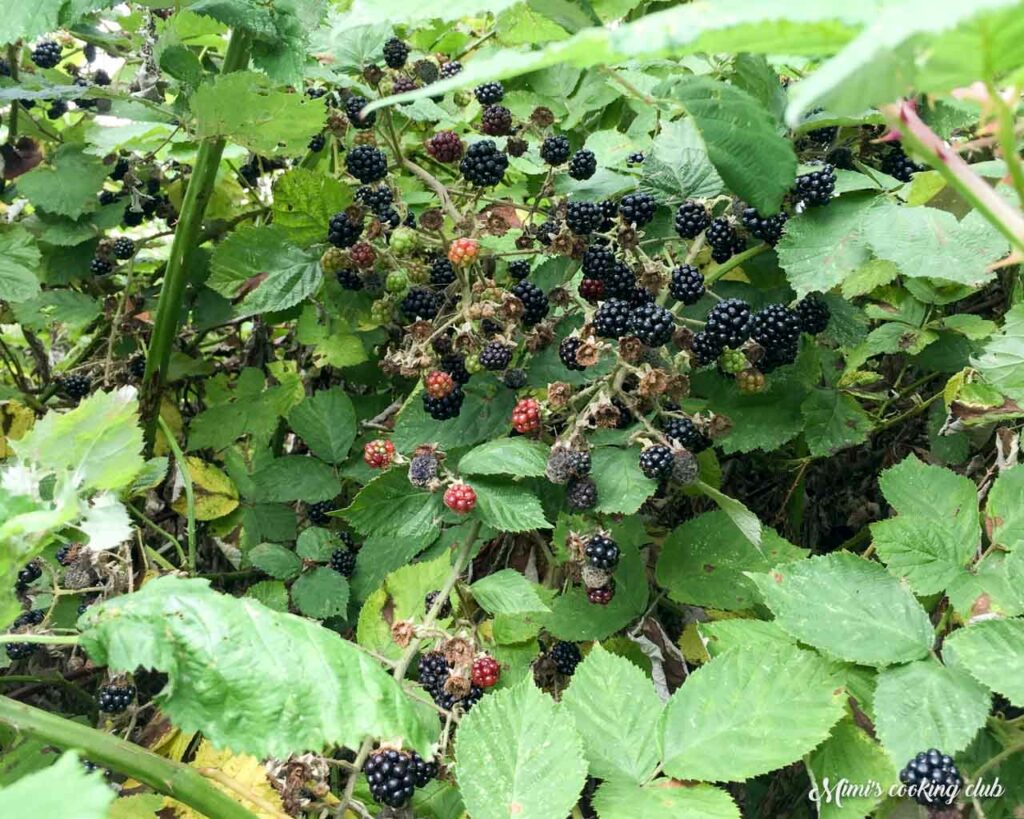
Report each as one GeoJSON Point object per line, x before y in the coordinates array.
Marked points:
{"type": "Point", "coordinates": [393, 776]}
{"type": "Point", "coordinates": [344, 231]}
{"type": "Point", "coordinates": [343, 561]}
{"type": "Point", "coordinates": [434, 671]}
{"type": "Point", "coordinates": [932, 778]}
{"type": "Point", "coordinates": [366, 163]}
{"type": "Point", "coordinates": [19, 651]}
{"type": "Point", "coordinates": [75, 387]}
{"type": "Point", "coordinates": [46, 54]}
{"type": "Point", "coordinates": [535, 303]}
{"type": "Point", "coordinates": [113, 699]}
{"type": "Point", "coordinates": [816, 188]}
{"type": "Point", "coordinates": [602, 552]}
{"type": "Point", "coordinates": [483, 165]}
{"type": "Point", "coordinates": [566, 656]}
{"type": "Point", "coordinates": [28, 575]}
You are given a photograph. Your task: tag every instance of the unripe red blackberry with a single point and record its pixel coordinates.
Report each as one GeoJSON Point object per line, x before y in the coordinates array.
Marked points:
{"type": "Point", "coordinates": [496, 120]}
{"type": "Point", "coordinates": [378, 453]}
{"type": "Point", "coordinates": [460, 498]}
{"type": "Point", "coordinates": [526, 416]}
{"type": "Point", "coordinates": [362, 254]}
{"type": "Point", "coordinates": [592, 290]}
{"type": "Point", "coordinates": [463, 251]}
{"type": "Point", "coordinates": [602, 595]}
{"type": "Point", "coordinates": [445, 146]}
{"type": "Point", "coordinates": [485, 672]}
{"type": "Point", "coordinates": [438, 383]}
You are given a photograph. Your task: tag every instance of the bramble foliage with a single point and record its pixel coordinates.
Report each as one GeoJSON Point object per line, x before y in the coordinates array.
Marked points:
{"type": "Point", "coordinates": [511, 409]}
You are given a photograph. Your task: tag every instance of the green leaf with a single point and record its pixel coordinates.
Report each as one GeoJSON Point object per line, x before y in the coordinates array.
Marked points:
{"type": "Point", "coordinates": [295, 477]}
{"type": "Point", "coordinates": [747, 635]}
{"type": "Point", "coordinates": [99, 442]}
{"type": "Point", "coordinates": [849, 754]}
{"type": "Point", "coordinates": [717, 724]}
{"type": "Point", "coordinates": [305, 201]}
{"type": "Point", "coordinates": [223, 656]}
{"type": "Point", "coordinates": [317, 544]}
{"type": "Point", "coordinates": [271, 593]}
{"type": "Point", "coordinates": [507, 592]}
{"type": "Point", "coordinates": [621, 487]}
{"type": "Point", "coordinates": [822, 246]}
{"type": "Point", "coordinates": [928, 705]}
{"type": "Point", "coordinates": [663, 799]}
{"type": "Point", "coordinates": [924, 550]}
{"type": "Point", "coordinates": [245, 107]}
{"type": "Point", "coordinates": [274, 559]}
{"type": "Point", "coordinates": [833, 421]}
{"type": "Point", "coordinates": [1002, 361]}
{"type": "Point", "coordinates": [927, 242]}
{"type": "Point", "coordinates": [64, 789]}
{"type": "Point", "coordinates": [68, 307]}
{"type": "Point", "coordinates": [29, 20]}
{"type": "Point", "coordinates": [678, 167]}
{"type": "Point", "coordinates": [326, 421]}
{"type": "Point", "coordinates": [484, 416]}
{"type": "Point", "coordinates": [1004, 513]}
{"type": "Point", "coordinates": [508, 507]}
{"type": "Point", "coordinates": [283, 273]}
{"type": "Point", "coordinates": [916, 488]}
{"type": "Point", "coordinates": [848, 607]}
{"type": "Point", "coordinates": [617, 713]}
{"type": "Point", "coordinates": [321, 593]}
{"type": "Point", "coordinates": [246, 407]}
{"type": "Point", "coordinates": [703, 562]}
{"type": "Point", "coordinates": [743, 519]}
{"type": "Point", "coordinates": [996, 586]}
{"type": "Point", "coordinates": [390, 506]}
{"type": "Point", "coordinates": [364, 12]}
{"type": "Point", "coordinates": [518, 754]}
{"type": "Point", "coordinates": [506, 456]}
{"type": "Point", "coordinates": [67, 185]}
{"type": "Point", "coordinates": [992, 652]}
{"type": "Point", "coordinates": [868, 276]}
{"type": "Point", "coordinates": [19, 260]}
{"type": "Point", "coordinates": [753, 159]}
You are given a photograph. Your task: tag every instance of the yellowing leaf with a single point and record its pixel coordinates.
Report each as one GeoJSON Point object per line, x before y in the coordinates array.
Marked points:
{"type": "Point", "coordinates": [15, 420]}
{"type": "Point", "coordinates": [215, 493]}
{"type": "Point", "coordinates": [246, 776]}
{"type": "Point", "coordinates": [172, 417]}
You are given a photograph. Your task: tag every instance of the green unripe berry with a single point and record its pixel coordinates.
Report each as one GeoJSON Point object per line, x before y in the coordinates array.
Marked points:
{"type": "Point", "coordinates": [333, 260]}
{"type": "Point", "coordinates": [473, 365]}
{"type": "Point", "coordinates": [397, 282]}
{"type": "Point", "coordinates": [463, 97]}
{"type": "Point", "coordinates": [733, 361]}
{"type": "Point", "coordinates": [380, 311]}
{"type": "Point", "coordinates": [403, 240]}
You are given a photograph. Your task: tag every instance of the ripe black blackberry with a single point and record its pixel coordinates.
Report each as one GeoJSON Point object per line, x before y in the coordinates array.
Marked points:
{"type": "Point", "coordinates": [483, 165]}
{"type": "Point", "coordinates": [611, 319]}
{"type": "Point", "coordinates": [46, 54]}
{"type": "Point", "coordinates": [113, 699]}
{"type": "Point", "coordinates": [579, 463]}
{"type": "Point", "coordinates": [766, 228]}
{"type": "Point", "coordinates": [775, 327]}
{"type": "Point", "coordinates": [686, 284]}
{"type": "Point", "coordinates": [729, 322]}
{"type": "Point", "coordinates": [514, 379]}
{"type": "Point", "coordinates": [343, 231]}
{"type": "Point", "coordinates": [816, 188]}
{"type": "Point", "coordinates": [433, 667]}
{"type": "Point", "coordinates": [652, 324]}
{"type": "Point", "coordinates": [776, 357]}
{"type": "Point", "coordinates": [547, 231]}
{"type": "Point", "coordinates": [495, 356]}
{"type": "Point", "coordinates": [343, 562]}
{"type": "Point", "coordinates": [898, 165]}
{"type": "Point", "coordinates": [602, 552]}
{"type": "Point", "coordinates": [813, 313]}
{"type": "Point", "coordinates": [691, 219]}
{"type": "Point", "coordinates": [423, 771]}
{"type": "Point", "coordinates": [446, 408]}
{"type": "Point", "coordinates": [57, 109]}
{"type": "Point", "coordinates": [375, 197]}
{"type": "Point", "coordinates": [124, 248]}
{"type": "Point", "coordinates": [637, 208]}
{"type": "Point", "coordinates": [19, 651]}
{"type": "Point", "coordinates": [349, 278]}
{"type": "Point", "coordinates": [63, 556]}
{"type": "Point", "coordinates": [442, 272]}
{"type": "Point", "coordinates": [555, 149]}
{"type": "Point", "coordinates": [28, 575]}
{"type": "Point", "coordinates": [389, 218]}
{"type": "Point", "coordinates": [444, 612]}
{"type": "Point", "coordinates": [421, 303]}
{"type": "Point", "coordinates": [100, 266]}
{"type": "Point", "coordinates": [137, 366]}
{"type": "Point", "coordinates": [75, 386]}
{"type": "Point", "coordinates": [722, 237]}
{"type": "Point", "coordinates": [448, 701]}
{"type": "Point", "coordinates": [455, 365]}
{"type": "Point", "coordinates": [535, 303]}
{"type": "Point", "coordinates": [496, 120]}
{"type": "Point", "coordinates": [685, 432]}
{"type": "Point", "coordinates": [395, 52]}
{"type": "Point", "coordinates": [490, 327]}
{"type": "Point", "coordinates": [597, 261]}
{"type": "Point", "coordinates": [583, 164]}
{"type": "Point", "coordinates": [581, 494]}
{"type": "Point", "coordinates": [489, 93]}
{"type": "Point", "coordinates": [450, 69]}
{"type": "Point", "coordinates": [566, 657]}
{"type": "Point", "coordinates": [391, 776]}
{"type": "Point", "coordinates": [422, 469]}
{"type": "Point", "coordinates": [932, 778]}
{"type": "Point", "coordinates": [318, 513]}
{"type": "Point", "coordinates": [518, 270]}
{"type": "Point", "coordinates": [611, 210]}
{"type": "Point", "coordinates": [567, 352]}
{"type": "Point", "coordinates": [354, 106]}
{"type": "Point", "coordinates": [656, 462]}
{"type": "Point", "coordinates": [107, 197]}
{"type": "Point", "coordinates": [635, 158]}
{"type": "Point", "coordinates": [101, 77]}
{"type": "Point", "coordinates": [583, 217]}
{"type": "Point", "coordinates": [366, 163]}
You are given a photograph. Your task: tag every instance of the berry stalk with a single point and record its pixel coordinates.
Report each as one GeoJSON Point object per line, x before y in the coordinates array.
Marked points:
{"type": "Point", "coordinates": [193, 208]}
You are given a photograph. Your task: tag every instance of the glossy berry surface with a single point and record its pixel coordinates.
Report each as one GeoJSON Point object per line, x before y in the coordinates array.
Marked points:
{"type": "Point", "coordinates": [391, 776]}
{"type": "Point", "coordinates": [113, 699]}
{"type": "Point", "coordinates": [483, 165]}
{"type": "Point", "coordinates": [656, 462]}
{"type": "Point", "coordinates": [582, 164]}
{"type": "Point", "coordinates": [554, 150]}
{"type": "Point", "coordinates": [460, 498]}
{"type": "Point", "coordinates": [526, 415]}
{"type": "Point", "coordinates": [932, 778]}
{"type": "Point", "coordinates": [463, 251]}
{"type": "Point", "coordinates": [445, 146]}
{"type": "Point", "coordinates": [602, 552]}
{"type": "Point", "coordinates": [343, 561]}
{"type": "Point", "coordinates": [566, 657]}
{"type": "Point", "coordinates": [485, 672]}
{"type": "Point", "coordinates": [691, 219]}
{"type": "Point", "coordinates": [686, 284]}
{"type": "Point", "coordinates": [379, 453]}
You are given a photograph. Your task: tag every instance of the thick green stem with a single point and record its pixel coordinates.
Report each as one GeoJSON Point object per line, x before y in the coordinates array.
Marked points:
{"type": "Point", "coordinates": [193, 208]}
{"type": "Point", "coordinates": [41, 639]}
{"type": "Point", "coordinates": [163, 775]}
{"type": "Point", "coordinates": [13, 60]}
{"type": "Point", "coordinates": [734, 262]}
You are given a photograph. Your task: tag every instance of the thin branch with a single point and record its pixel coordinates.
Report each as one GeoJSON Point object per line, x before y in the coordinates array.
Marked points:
{"type": "Point", "coordinates": [432, 182]}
